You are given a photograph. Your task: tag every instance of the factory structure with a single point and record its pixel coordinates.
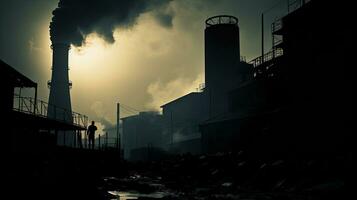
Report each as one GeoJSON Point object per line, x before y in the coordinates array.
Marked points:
{"type": "Point", "coordinates": [141, 135]}
{"type": "Point", "coordinates": [181, 118]}
{"type": "Point", "coordinates": [29, 127]}
{"type": "Point", "coordinates": [286, 100]}
{"type": "Point", "coordinates": [43, 124]}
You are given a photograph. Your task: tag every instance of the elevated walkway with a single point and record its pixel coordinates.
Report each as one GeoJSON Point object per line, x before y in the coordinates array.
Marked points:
{"type": "Point", "coordinates": [34, 112]}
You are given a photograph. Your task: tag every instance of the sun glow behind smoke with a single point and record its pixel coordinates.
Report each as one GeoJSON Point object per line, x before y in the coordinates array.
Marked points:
{"type": "Point", "coordinates": [145, 65]}
{"type": "Point", "coordinates": [91, 62]}
{"type": "Point", "coordinates": [143, 59]}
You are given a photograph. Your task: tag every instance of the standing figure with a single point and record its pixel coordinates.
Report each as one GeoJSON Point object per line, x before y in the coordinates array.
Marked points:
{"type": "Point", "coordinates": [91, 133]}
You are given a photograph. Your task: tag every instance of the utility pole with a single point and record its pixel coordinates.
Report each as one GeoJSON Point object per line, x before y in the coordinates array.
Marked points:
{"type": "Point", "coordinates": [99, 142]}
{"type": "Point", "coordinates": [172, 130]}
{"type": "Point", "coordinates": [79, 140]}
{"type": "Point", "coordinates": [209, 103]}
{"type": "Point", "coordinates": [262, 38]}
{"type": "Point", "coordinates": [118, 133]}
{"type": "Point", "coordinates": [85, 140]}
{"type": "Point", "coordinates": [106, 140]}
{"type": "Point", "coordinates": [35, 103]}
{"type": "Point", "coordinates": [288, 4]}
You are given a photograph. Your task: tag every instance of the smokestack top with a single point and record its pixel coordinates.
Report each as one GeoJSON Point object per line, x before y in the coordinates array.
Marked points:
{"type": "Point", "coordinates": [221, 19]}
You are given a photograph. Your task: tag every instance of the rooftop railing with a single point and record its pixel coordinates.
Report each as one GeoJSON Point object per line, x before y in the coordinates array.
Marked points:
{"type": "Point", "coordinates": [221, 19]}
{"type": "Point", "coordinates": [292, 6]}
{"type": "Point", "coordinates": [267, 57]}
{"type": "Point", "coordinates": [296, 4]}
{"type": "Point", "coordinates": [41, 109]}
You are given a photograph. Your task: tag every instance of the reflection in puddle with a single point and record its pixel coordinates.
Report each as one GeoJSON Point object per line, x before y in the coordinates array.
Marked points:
{"type": "Point", "coordinates": [136, 195]}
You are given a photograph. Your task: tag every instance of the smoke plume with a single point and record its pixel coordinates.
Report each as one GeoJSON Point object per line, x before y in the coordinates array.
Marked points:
{"type": "Point", "coordinates": [73, 20]}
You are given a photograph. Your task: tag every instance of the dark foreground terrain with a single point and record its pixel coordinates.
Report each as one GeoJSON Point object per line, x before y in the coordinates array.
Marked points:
{"type": "Point", "coordinates": [79, 174]}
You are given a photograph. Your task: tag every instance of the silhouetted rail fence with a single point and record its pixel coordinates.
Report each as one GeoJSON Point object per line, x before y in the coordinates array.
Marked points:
{"type": "Point", "coordinates": [40, 108]}
{"type": "Point", "coordinates": [267, 57]}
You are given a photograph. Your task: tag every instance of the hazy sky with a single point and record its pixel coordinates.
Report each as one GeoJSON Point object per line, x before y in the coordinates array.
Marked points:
{"type": "Point", "coordinates": [147, 65]}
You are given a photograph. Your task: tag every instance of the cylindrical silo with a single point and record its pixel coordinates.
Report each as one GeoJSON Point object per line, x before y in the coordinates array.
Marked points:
{"type": "Point", "coordinates": [222, 52]}
{"type": "Point", "coordinates": [222, 58]}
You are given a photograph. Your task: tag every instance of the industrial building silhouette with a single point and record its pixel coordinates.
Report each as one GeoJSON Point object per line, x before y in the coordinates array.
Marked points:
{"type": "Point", "coordinates": [27, 122]}
{"type": "Point", "coordinates": [142, 131]}
{"type": "Point", "coordinates": [270, 128]}
{"type": "Point", "coordinates": [32, 159]}
{"type": "Point", "coordinates": [285, 101]}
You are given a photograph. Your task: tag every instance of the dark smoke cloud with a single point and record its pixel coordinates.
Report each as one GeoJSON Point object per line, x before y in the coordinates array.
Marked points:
{"type": "Point", "coordinates": [73, 20]}
{"type": "Point", "coordinates": [164, 18]}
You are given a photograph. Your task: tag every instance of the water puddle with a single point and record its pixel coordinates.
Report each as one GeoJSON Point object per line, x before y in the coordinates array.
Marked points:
{"type": "Point", "coordinates": [136, 195]}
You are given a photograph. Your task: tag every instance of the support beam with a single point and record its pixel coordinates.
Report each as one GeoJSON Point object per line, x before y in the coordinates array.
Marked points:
{"type": "Point", "coordinates": [262, 37]}
{"type": "Point", "coordinates": [118, 133]}
{"type": "Point", "coordinates": [35, 102]}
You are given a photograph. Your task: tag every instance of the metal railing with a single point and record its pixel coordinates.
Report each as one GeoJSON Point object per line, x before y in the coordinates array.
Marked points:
{"type": "Point", "coordinates": [296, 4]}
{"type": "Point", "coordinates": [277, 25]}
{"type": "Point", "coordinates": [267, 57]}
{"type": "Point", "coordinates": [104, 142]}
{"type": "Point", "coordinates": [221, 19]}
{"type": "Point", "coordinates": [42, 109]}
{"type": "Point", "coordinates": [292, 6]}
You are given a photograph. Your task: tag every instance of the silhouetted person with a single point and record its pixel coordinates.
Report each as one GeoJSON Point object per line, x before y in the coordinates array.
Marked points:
{"type": "Point", "coordinates": [91, 132]}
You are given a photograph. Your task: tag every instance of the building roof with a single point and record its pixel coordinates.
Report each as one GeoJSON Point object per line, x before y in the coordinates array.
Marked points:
{"type": "Point", "coordinates": [10, 75]}
{"type": "Point", "coordinates": [129, 117]}
{"type": "Point", "coordinates": [143, 113]}
{"type": "Point", "coordinates": [181, 98]}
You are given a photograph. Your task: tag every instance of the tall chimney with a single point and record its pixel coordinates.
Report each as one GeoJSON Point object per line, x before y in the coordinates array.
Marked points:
{"type": "Point", "coordinates": [59, 100]}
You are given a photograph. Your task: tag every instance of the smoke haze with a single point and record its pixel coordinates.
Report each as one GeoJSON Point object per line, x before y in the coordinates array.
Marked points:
{"type": "Point", "coordinates": [73, 20]}
{"type": "Point", "coordinates": [157, 56]}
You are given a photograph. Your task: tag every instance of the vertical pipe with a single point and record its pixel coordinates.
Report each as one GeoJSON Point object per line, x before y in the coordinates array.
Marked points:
{"type": "Point", "coordinates": [79, 135]}
{"type": "Point", "coordinates": [78, 140]}
{"type": "Point", "coordinates": [99, 142]}
{"type": "Point", "coordinates": [118, 117]}
{"type": "Point", "coordinates": [262, 37]}
{"type": "Point", "coordinates": [86, 141]}
{"type": "Point", "coordinates": [81, 141]}
{"type": "Point", "coordinates": [288, 4]}
{"type": "Point", "coordinates": [29, 108]}
{"type": "Point", "coordinates": [209, 103]}
{"type": "Point", "coordinates": [273, 39]}
{"type": "Point", "coordinates": [35, 103]}
{"type": "Point", "coordinates": [20, 102]}
{"type": "Point", "coordinates": [106, 139]}
{"type": "Point", "coordinates": [172, 130]}
{"type": "Point", "coordinates": [75, 139]}
{"type": "Point", "coordinates": [136, 135]}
